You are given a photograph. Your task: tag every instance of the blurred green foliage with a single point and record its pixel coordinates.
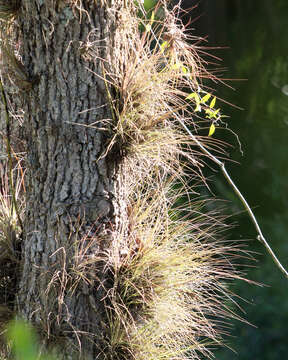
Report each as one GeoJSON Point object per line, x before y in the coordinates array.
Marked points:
{"type": "Point", "coordinates": [24, 343]}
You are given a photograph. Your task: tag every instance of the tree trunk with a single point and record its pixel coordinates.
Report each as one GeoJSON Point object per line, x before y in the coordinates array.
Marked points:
{"type": "Point", "coordinates": [74, 193]}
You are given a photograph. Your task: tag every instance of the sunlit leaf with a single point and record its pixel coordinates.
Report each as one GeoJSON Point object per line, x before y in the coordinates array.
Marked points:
{"type": "Point", "coordinates": [184, 70]}
{"type": "Point", "coordinates": [163, 46]}
{"type": "Point", "coordinates": [211, 130]}
{"type": "Point", "coordinates": [205, 98]}
{"type": "Point", "coordinates": [213, 102]}
{"type": "Point", "coordinates": [209, 113]}
{"type": "Point", "coordinates": [191, 96]}
{"type": "Point", "coordinates": [194, 96]}
{"type": "Point", "coordinates": [176, 65]}
{"type": "Point", "coordinates": [149, 26]}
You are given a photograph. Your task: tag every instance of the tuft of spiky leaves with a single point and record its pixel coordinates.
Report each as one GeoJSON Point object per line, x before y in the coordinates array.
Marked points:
{"type": "Point", "coordinates": [154, 68]}
{"type": "Point", "coordinates": [9, 9]}
{"type": "Point", "coordinates": [169, 289]}
{"type": "Point", "coordinates": [169, 285]}
{"type": "Point", "coordinates": [10, 229]}
{"type": "Point", "coordinates": [169, 268]}
{"type": "Point", "coordinates": [10, 239]}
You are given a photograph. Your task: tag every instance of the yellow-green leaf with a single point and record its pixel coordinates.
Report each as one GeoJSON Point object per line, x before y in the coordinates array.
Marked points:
{"type": "Point", "coordinates": [149, 26]}
{"type": "Point", "coordinates": [164, 45]}
{"type": "Point", "coordinates": [211, 130]}
{"type": "Point", "coordinates": [209, 113]}
{"type": "Point", "coordinates": [191, 96]}
{"type": "Point", "coordinates": [205, 98]}
{"type": "Point", "coordinates": [176, 65]}
{"type": "Point", "coordinates": [194, 96]}
{"type": "Point", "coordinates": [213, 102]}
{"type": "Point", "coordinates": [184, 70]}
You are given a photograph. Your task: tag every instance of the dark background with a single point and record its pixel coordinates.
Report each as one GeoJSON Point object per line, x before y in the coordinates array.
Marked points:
{"type": "Point", "coordinates": [254, 37]}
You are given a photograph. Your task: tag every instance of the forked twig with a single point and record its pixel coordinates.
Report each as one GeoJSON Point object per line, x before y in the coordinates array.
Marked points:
{"type": "Point", "coordinates": [260, 236]}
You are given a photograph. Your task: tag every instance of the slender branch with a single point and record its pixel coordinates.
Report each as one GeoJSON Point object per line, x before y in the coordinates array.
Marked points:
{"type": "Point", "coordinates": [260, 236]}
{"type": "Point", "coordinates": [9, 151]}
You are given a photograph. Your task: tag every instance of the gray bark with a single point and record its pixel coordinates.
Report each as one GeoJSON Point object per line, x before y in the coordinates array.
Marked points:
{"type": "Point", "coordinates": [75, 197]}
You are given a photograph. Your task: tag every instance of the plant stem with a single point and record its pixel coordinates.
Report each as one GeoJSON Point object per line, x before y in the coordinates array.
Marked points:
{"type": "Point", "coordinates": [260, 236]}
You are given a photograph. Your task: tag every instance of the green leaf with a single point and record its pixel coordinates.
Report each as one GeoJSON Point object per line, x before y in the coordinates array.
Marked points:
{"type": "Point", "coordinates": [211, 130]}
{"type": "Point", "coordinates": [205, 98]}
{"type": "Point", "coordinates": [176, 65]}
{"type": "Point", "coordinates": [191, 96]}
{"type": "Point", "coordinates": [184, 69]}
{"type": "Point", "coordinates": [209, 113]}
{"type": "Point", "coordinates": [163, 46]}
{"type": "Point", "coordinates": [213, 102]}
{"type": "Point", "coordinates": [149, 26]}
{"type": "Point", "coordinates": [23, 340]}
{"type": "Point", "coordinates": [194, 96]}
{"type": "Point", "coordinates": [148, 4]}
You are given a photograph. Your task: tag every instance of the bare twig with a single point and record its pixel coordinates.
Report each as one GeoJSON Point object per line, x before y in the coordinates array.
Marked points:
{"type": "Point", "coordinates": [260, 236]}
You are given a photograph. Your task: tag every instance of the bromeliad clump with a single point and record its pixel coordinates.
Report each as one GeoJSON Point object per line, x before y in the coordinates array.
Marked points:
{"type": "Point", "coordinates": [169, 267]}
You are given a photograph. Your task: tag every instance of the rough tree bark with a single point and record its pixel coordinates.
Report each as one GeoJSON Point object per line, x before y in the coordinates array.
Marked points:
{"type": "Point", "coordinates": [73, 193]}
